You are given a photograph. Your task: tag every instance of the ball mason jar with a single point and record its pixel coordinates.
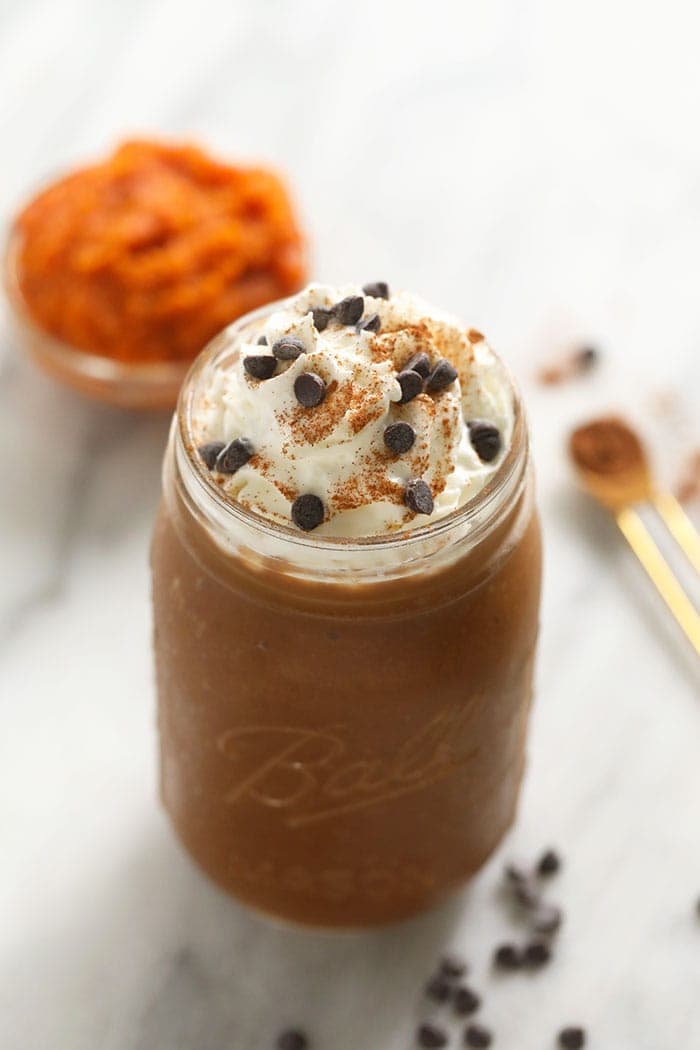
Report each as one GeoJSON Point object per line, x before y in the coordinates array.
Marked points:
{"type": "Point", "coordinates": [342, 723]}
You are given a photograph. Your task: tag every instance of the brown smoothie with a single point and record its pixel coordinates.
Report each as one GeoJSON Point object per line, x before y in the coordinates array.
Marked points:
{"type": "Point", "coordinates": [342, 721]}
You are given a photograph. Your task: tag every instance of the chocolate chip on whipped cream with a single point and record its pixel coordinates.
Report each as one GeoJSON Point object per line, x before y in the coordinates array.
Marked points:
{"type": "Point", "coordinates": [307, 512]}
{"type": "Point", "coordinates": [260, 366]}
{"type": "Point", "coordinates": [419, 363]}
{"type": "Point", "coordinates": [411, 384]}
{"type": "Point", "coordinates": [376, 289]}
{"type": "Point", "coordinates": [370, 324]}
{"type": "Point", "coordinates": [399, 437]}
{"type": "Point", "coordinates": [234, 456]}
{"type": "Point", "coordinates": [309, 389]}
{"type": "Point", "coordinates": [288, 348]}
{"type": "Point", "coordinates": [486, 440]}
{"type": "Point", "coordinates": [335, 448]}
{"type": "Point", "coordinates": [419, 498]}
{"type": "Point", "coordinates": [349, 310]}
{"type": "Point", "coordinates": [441, 376]}
{"type": "Point", "coordinates": [210, 451]}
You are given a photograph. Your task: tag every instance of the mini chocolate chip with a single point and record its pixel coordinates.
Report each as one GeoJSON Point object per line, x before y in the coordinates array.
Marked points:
{"type": "Point", "coordinates": [418, 497]}
{"type": "Point", "coordinates": [466, 1001]}
{"type": "Point", "coordinates": [399, 438]}
{"type": "Point", "coordinates": [309, 389]}
{"type": "Point", "coordinates": [452, 966]}
{"type": "Point", "coordinates": [549, 863]}
{"type": "Point", "coordinates": [537, 953]}
{"type": "Point", "coordinates": [548, 918]}
{"type": "Point", "coordinates": [210, 451]}
{"type": "Point", "coordinates": [307, 512]}
{"type": "Point", "coordinates": [419, 363]}
{"type": "Point", "coordinates": [321, 317]}
{"type": "Point", "coordinates": [377, 289]}
{"type": "Point", "coordinates": [292, 1039]}
{"type": "Point", "coordinates": [411, 384]}
{"type": "Point", "coordinates": [587, 357]}
{"type": "Point", "coordinates": [438, 989]}
{"type": "Point", "coordinates": [572, 1037]}
{"type": "Point", "coordinates": [234, 456]}
{"type": "Point", "coordinates": [260, 366]}
{"type": "Point", "coordinates": [370, 324]}
{"type": "Point", "coordinates": [485, 439]}
{"type": "Point", "coordinates": [349, 310]}
{"type": "Point", "coordinates": [477, 1036]}
{"type": "Point", "coordinates": [288, 348]}
{"type": "Point", "coordinates": [441, 376]}
{"type": "Point", "coordinates": [262, 340]}
{"type": "Point", "coordinates": [527, 893]}
{"type": "Point", "coordinates": [507, 957]}
{"type": "Point", "coordinates": [429, 1035]}
{"type": "Point", "coordinates": [516, 873]}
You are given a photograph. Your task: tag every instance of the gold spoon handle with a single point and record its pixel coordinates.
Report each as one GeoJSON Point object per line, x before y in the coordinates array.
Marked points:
{"type": "Point", "coordinates": [679, 525]}
{"type": "Point", "coordinates": [635, 532]}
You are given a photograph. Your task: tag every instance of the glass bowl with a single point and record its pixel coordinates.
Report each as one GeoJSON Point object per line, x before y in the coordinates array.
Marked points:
{"type": "Point", "coordinates": [127, 385]}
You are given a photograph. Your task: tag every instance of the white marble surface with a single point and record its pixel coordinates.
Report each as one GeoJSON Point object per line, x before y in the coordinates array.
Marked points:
{"type": "Point", "coordinates": [534, 165]}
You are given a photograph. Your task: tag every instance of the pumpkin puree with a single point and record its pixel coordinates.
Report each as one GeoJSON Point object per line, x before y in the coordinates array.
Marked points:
{"type": "Point", "coordinates": [147, 255]}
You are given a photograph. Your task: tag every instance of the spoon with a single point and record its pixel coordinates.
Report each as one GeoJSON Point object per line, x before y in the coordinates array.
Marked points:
{"type": "Point", "coordinates": [612, 466]}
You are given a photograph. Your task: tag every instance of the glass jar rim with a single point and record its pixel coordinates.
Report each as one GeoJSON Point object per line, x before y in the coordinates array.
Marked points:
{"type": "Point", "coordinates": [488, 498]}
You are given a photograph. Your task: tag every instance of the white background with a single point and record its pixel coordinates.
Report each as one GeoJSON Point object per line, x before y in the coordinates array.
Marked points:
{"type": "Point", "coordinates": [533, 165]}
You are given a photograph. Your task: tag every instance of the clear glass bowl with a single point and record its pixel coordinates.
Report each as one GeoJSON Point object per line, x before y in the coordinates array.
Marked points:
{"type": "Point", "coordinates": [139, 386]}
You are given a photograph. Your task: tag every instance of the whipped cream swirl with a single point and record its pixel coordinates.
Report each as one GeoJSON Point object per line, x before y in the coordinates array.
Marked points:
{"type": "Point", "coordinates": [337, 450]}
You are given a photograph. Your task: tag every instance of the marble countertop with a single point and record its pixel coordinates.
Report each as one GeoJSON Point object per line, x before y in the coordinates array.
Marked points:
{"type": "Point", "coordinates": [534, 166]}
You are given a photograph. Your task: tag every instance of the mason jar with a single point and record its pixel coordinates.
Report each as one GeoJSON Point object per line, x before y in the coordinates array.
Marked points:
{"type": "Point", "coordinates": [342, 723]}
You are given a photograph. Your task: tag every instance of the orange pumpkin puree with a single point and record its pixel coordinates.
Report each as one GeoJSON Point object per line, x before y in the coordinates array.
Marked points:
{"type": "Point", "coordinates": [147, 255]}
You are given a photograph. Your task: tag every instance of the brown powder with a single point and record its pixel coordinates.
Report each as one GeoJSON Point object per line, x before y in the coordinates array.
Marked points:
{"type": "Point", "coordinates": [606, 446]}
{"type": "Point", "coordinates": [688, 488]}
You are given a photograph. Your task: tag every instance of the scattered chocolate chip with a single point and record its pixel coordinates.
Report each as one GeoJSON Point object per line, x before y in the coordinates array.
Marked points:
{"type": "Point", "coordinates": [452, 966]}
{"type": "Point", "coordinates": [377, 289]}
{"type": "Point", "coordinates": [516, 873]}
{"type": "Point", "coordinates": [485, 439]}
{"type": "Point", "coordinates": [262, 340]}
{"type": "Point", "coordinates": [309, 389]}
{"type": "Point", "coordinates": [587, 357]}
{"type": "Point", "coordinates": [441, 376]}
{"type": "Point", "coordinates": [370, 324]}
{"type": "Point", "coordinates": [292, 1039]}
{"type": "Point", "coordinates": [288, 348]}
{"type": "Point", "coordinates": [477, 1036]}
{"type": "Point", "coordinates": [549, 863]}
{"type": "Point", "coordinates": [411, 384]}
{"type": "Point", "coordinates": [307, 512]}
{"type": "Point", "coordinates": [548, 918]}
{"type": "Point", "coordinates": [234, 456]}
{"type": "Point", "coordinates": [537, 953]}
{"type": "Point", "coordinates": [419, 363]}
{"type": "Point", "coordinates": [507, 957]}
{"type": "Point", "coordinates": [429, 1035]}
{"type": "Point", "coordinates": [349, 310]}
{"type": "Point", "coordinates": [572, 1038]}
{"type": "Point", "coordinates": [438, 989]}
{"type": "Point", "coordinates": [399, 438]}
{"type": "Point", "coordinates": [321, 318]}
{"type": "Point", "coordinates": [260, 366]}
{"type": "Point", "coordinates": [466, 1001]}
{"type": "Point", "coordinates": [527, 894]}
{"type": "Point", "coordinates": [210, 451]}
{"type": "Point", "coordinates": [418, 497]}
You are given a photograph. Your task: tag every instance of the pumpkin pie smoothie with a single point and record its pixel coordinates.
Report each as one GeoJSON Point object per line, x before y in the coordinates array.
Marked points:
{"type": "Point", "coordinates": [346, 575]}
